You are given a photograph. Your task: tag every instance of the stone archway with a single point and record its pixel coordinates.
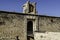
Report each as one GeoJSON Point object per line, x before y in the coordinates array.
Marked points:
{"type": "Point", "coordinates": [30, 27]}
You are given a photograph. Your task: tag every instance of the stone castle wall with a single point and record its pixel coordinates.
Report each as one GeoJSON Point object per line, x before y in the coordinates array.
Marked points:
{"type": "Point", "coordinates": [47, 36]}
{"type": "Point", "coordinates": [49, 24]}
{"type": "Point", "coordinates": [11, 26]}
{"type": "Point", "coordinates": [49, 28]}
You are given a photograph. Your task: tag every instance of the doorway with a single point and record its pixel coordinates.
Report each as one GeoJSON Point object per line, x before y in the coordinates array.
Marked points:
{"type": "Point", "coordinates": [30, 27]}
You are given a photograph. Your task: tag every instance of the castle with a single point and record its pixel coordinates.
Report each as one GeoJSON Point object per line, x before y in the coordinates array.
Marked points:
{"type": "Point", "coordinates": [22, 26]}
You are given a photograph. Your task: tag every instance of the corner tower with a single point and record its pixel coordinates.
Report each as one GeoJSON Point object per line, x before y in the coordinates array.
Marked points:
{"type": "Point", "coordinates": [29, 8]}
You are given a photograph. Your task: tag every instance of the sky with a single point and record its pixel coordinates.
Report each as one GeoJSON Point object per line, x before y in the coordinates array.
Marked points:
{"type": "Point", "coordinates": [44, 7]}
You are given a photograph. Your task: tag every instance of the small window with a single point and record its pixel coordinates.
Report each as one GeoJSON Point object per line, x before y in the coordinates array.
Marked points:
{"type": "Point", "coordinates": [51, 20]}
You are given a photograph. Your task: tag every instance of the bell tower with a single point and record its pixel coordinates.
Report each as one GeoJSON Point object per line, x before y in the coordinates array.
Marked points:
{"type": "Point", "coordinates": [29, 8]}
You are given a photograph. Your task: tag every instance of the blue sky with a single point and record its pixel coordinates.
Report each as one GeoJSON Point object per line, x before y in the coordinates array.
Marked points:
{"type": "Point", "coordinates": [44, 7]}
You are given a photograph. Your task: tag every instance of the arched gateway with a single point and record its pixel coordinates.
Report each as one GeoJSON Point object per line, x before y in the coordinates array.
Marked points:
{"type": "Point", "coordinates": [29, 27]}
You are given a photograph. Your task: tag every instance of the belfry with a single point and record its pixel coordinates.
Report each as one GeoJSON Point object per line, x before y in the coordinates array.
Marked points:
{"type": "Point", "coordinates": [29, 8]}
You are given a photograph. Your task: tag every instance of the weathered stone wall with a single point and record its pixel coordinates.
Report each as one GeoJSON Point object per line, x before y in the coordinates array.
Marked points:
{"type": "Point", "coordinates": [11, 26]}
{"type": "Point", "coordinates": [47, 36]}
{"type": "Point", "coordinates": [50, 24]}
